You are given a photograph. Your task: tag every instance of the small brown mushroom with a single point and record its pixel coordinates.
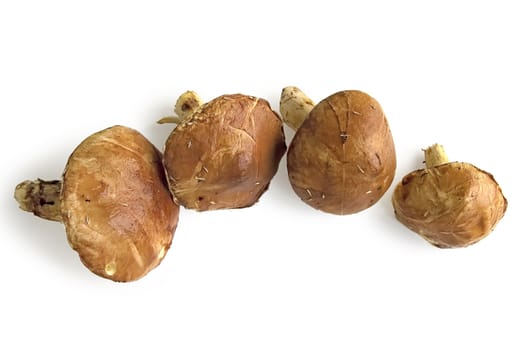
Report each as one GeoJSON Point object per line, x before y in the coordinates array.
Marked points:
{"type": "Point", "coordinates": [114, 202]}
{"type": "Point", "coordinates": [342, 157]}
{"type": "Point", "coordinates": [450, 204]}
{"type": "Point", "coordinates": [224, 153]}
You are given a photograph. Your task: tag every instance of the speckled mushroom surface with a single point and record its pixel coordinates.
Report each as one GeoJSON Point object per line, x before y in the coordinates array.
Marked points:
{"type": "Point", "coordinates": [450, 204]}
{"type": "Point", "coordinates": [342, 158]}
{"type": "Point", "coordinates": [114, 202]}
{"type": "Point", "coordinates": [225, 153]}
{"type": "Point", "coordinates": [116, 207]}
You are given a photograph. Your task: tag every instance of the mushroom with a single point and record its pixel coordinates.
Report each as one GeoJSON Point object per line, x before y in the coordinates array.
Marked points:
{"type": "Point", "coordinates": [450, 204]}
{"type": "Point", "coordinates": [342, 157]}
{"type": "Point", "coordinates": [114, 202]}
{"type": "Point", "coordinates": [224, 153]}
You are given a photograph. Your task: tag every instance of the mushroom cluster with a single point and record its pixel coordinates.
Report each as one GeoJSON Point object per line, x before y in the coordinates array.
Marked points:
{"type": "Point", "coordinates": [119, 197]}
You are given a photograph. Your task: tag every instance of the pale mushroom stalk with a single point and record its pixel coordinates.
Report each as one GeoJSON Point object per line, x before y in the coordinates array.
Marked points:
{"type": "Point", "coordinates": [40, 197]}
{"type": "Point", "coordinates": [185, 106]}
{"type": "Point", "coordinates": [294, 106]}
{"type": "Point", "coordinates": [435, 156]}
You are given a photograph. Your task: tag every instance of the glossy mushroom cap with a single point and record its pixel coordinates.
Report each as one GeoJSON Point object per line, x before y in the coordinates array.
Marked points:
{"type": "Point", "coordinates": [450, 205]}
{"type": "Point", "coordinates": [224, 154]}
{"type": "Point", "coordinates": [116, 207]}
{"type": "Point", "coordinates": [342, 158]}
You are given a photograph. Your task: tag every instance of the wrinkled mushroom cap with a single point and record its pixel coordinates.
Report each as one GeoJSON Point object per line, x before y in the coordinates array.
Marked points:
{"type": "Point", "coordinates": [450, 205]}
{"type": "Point", "coordinates": [116, 207]}
{"type": "Point", "coordinates": [342, 158]}
{"type": "Point", "coordinates": [225, 154]}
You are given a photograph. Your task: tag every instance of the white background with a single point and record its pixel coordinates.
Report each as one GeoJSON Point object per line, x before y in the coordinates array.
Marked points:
{"type": "Point", "coordinates": [279, 275]}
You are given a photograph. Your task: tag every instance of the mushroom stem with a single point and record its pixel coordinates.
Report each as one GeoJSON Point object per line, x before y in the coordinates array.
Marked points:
{"type": "Point", "coordinates": [435, 155]}
{"type": "Point", "coordinates": [185, 106]}
{"type": "Point", "coordinates": [169, 120]}
{"type": "Point", "coordinates": [294, 106]}
{"type": "Point", "coordinates": [40, 197]}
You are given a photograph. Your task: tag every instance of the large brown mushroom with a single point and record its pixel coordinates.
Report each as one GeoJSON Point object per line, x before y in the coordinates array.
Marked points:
{"type": "Point", "coordinates": [224, 153]}
{"type": "Point", "coordinates": [114, 202]}
{"type": "Point", "coordinates": [450, 204]}
{"type": "Point", "coordinates": [342, 157]}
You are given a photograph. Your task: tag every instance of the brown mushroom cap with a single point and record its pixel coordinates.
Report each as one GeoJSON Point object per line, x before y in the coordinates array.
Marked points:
{"type": "Point", "coordinates": [450, 205]}
{"type": "Point", "coordinates": [116, 207]}
{"type": "Point", "coordinates": [342, 158]}
{"type": "Point", "coordinates": [225, 154]}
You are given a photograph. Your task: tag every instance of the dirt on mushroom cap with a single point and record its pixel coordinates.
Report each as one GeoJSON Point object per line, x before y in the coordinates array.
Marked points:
{"type": "Point", "coordinates": [342, 158]}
